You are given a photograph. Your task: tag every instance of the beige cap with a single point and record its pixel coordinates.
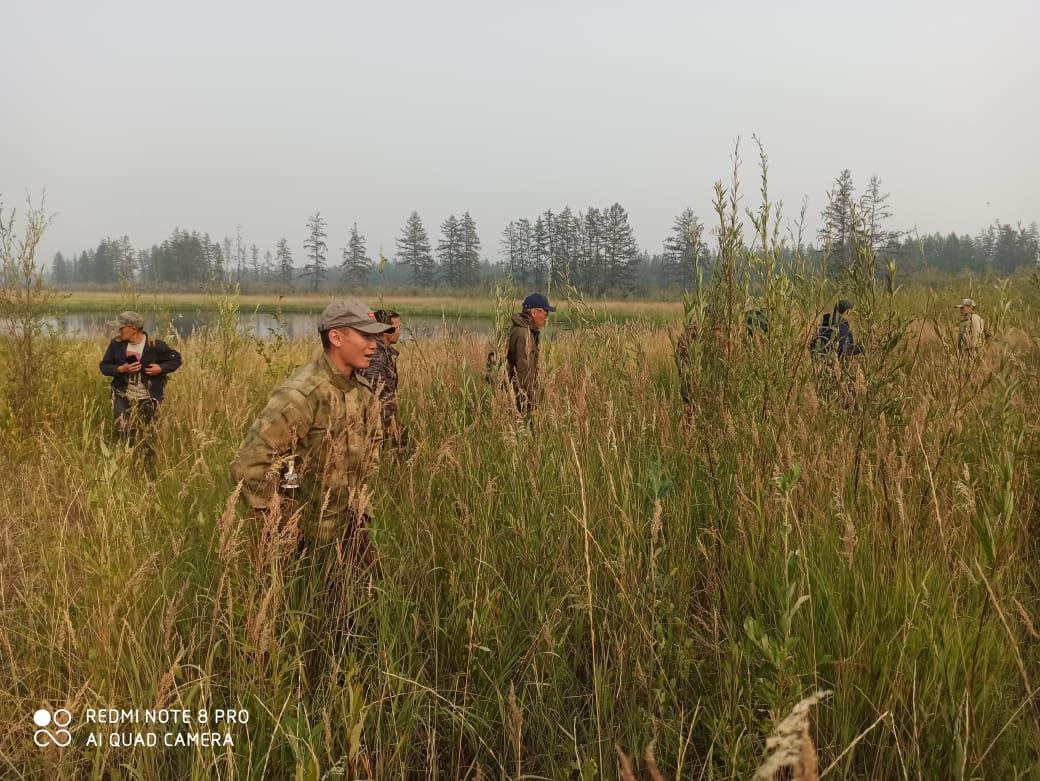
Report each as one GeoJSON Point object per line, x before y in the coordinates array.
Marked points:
{"type": "Point", "coordinates": [351, 313]}
{"type": "Point", "coordinates": [128, 318]}
{"type": "Point", "coordinates": [967, 302]}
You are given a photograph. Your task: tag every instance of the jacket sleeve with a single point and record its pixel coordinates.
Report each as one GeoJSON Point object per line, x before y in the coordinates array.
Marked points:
{"type": "Point", "coordinates": [110, 362]}
{"type": "Point", "coordinates": [169, 359]}
{"type": "Point", "coordinates": [272, 437]}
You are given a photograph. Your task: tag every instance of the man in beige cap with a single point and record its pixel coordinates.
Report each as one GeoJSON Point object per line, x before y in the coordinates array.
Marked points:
{"type": "Point", "coordinates": [138, 366]}
{"type": "Point", "coordinates": [317, 441]}
{"type": "Point", "coordinates": [973, 331]}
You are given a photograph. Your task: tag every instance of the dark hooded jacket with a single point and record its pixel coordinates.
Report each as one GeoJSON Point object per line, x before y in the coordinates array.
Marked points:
{"type": "Point", "coordinates": [155, 351]}
{"type": "Point", "coordinates": [522, 360]}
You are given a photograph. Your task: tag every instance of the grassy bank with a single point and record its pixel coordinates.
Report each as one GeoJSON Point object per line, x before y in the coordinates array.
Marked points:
{"type": "Point", "coordinates": [626, 573]}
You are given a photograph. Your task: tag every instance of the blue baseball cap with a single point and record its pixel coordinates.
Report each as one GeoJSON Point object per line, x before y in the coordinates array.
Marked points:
{"type": "Point", "coordinates": [538, 301]}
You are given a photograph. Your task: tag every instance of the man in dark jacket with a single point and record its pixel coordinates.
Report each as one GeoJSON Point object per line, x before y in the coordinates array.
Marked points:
{"type": "Point", "coordinates": [138, 365]}
{"type": "Point", "coordinates": [522, 354]}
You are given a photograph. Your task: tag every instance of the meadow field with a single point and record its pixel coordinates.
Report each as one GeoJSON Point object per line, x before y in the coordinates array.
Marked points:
{"type": "Point", "coordinates": [627, 587]}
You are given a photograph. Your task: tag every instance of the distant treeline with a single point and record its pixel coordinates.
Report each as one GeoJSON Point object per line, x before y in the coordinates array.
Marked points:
{"type": "Point", "coordinates": [593, 249]}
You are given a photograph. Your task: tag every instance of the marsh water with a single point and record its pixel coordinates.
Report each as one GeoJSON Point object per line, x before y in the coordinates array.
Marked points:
{"type": "Point", "coordinates": [266, 326]}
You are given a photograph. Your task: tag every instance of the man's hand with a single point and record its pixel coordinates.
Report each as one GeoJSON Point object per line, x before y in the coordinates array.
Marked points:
{"type": "Point", "coordinates": [129, 368]}
{"type": "Point", "coordinates": [152, 369]}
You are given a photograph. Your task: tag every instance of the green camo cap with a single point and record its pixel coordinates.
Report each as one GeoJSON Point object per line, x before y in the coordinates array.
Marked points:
{"type": "Point", "coordinates": [351, 313]}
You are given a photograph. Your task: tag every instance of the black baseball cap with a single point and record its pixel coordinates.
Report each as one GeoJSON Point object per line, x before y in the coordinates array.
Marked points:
{"type": "Point", "coordinates": [538, 301]}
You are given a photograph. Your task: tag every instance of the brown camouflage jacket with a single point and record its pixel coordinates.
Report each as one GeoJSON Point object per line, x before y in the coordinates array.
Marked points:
{"type": "Point", "coordinates": [324, 426]}
{"type": "Point", "coordinates": [382, 376]}
{"type": "Point", "coordinates": [522, 360]}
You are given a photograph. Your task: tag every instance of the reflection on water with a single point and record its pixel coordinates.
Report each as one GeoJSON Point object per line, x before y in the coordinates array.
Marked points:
{"type": "Point", "coordinates": [291, 326]}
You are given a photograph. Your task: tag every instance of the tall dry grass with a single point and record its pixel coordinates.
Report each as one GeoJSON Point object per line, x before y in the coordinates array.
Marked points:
{"type": "Point", "coordinates": [623, 573]}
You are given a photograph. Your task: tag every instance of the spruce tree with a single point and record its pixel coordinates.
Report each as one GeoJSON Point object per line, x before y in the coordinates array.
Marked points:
{"type": "Point", "coordinates": [314, 244]}
{"type": "Point", "coordinates": [539, 253]}
{"type": "Point", "coordinates": [60, 270]}
{"type": "Point", "coordinates": [469, 250]}
{"type": "Point", "coordinates": [840, 224]}
{"type": "Point", "coordinates": [106, 263]}
{"type": "Point", "coordinates": [142, 261]}
{"type": "Point", "coordinates": [525, 250]}
{"type": "Point", "coordinates": [590, 243]}
{"type": "Point", "coordinates": [619, 249]}
{"type": "Point", "coordinates": [413, 250]}
{"type": "Point", "coordinates": [84, 267]}
{"type": "Point", "coordinates": [449, 253]}
{"type": "Point", "coordinates": [126, 261]}
{"type": "Point", "coordinates": [356, 263]}
{"type": "Point", "coordinates": [684, 249]}
{"type": "Point", "coordinates": [283, 260]}
{"type": "Point", "coordinates": [564, 247]}
{"type": "Point", "coordinates": [240, 254]}
{"type": "Point", "coordinates": [875, 211]}
{"type": "Point", "coordinates": [509, 249]}
{"type": "Point", "coordinates": [254, 262]}
{"type": "Point", "coordinates": [228, 261]}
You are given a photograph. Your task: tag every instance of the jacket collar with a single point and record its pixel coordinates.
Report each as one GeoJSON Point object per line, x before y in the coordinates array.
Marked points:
{"type": "Point", "coordinates": [524, 320]}
{"type": "Point", "coordinates": [337, 378]}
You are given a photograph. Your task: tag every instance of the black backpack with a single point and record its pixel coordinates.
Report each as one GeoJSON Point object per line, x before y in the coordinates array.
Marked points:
{"type": "Point", "coordinates": [825, 334]}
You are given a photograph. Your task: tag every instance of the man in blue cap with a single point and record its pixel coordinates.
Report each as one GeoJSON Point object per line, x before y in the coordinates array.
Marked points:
{"type": "Point", "coordinates": [522, 355]}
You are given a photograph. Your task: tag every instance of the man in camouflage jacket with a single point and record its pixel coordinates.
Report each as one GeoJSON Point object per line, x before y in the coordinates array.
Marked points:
{"type": "Point", "coordinates": [523, 350]}
{"type": "Point", "coordinates": [317, 440]}
{"type": "Point", "coordinates": [972, 337]}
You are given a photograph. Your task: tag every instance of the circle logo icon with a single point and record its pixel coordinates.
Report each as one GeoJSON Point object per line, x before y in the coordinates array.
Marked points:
{"type": "Point", "coordinates": [61, 719]}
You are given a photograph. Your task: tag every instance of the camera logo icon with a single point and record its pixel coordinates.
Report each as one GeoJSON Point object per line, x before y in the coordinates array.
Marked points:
{"type": "Point", "coordinates": [60, 736]}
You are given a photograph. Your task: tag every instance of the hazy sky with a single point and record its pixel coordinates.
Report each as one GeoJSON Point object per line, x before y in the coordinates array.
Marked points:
{"type": "Point", "coordinates": [140, 116]}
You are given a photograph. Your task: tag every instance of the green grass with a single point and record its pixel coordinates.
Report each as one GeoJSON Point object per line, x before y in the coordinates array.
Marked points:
{"type": "Point", "coordinates": [621, 573]}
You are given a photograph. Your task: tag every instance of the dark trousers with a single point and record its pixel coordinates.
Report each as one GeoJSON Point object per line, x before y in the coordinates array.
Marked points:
{"type": "Point", "coordinates": [133, 417]}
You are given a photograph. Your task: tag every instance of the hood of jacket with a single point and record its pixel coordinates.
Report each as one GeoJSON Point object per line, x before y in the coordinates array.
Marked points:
{"type": "Point", "coordinates": [524, 320]}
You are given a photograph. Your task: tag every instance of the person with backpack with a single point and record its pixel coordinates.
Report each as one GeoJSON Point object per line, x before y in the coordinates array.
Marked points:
{"type": "Point", "coordinates": [834, 336]}
{"type": "Point", "coordinates": [523, 349]}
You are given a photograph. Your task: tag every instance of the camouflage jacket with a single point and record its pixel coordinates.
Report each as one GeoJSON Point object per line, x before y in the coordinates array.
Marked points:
{"type": "Point", "coordinates": [382, 376]}
{"type": "Point", "coordinates": [972, 336]}
{"type": "Point", "coordinates": [522, 360]}
{"type": "Point", "coordinates": [323, 425]}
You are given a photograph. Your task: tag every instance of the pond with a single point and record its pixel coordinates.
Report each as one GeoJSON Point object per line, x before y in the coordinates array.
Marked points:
{"type": "Point", "coordinates": [94, 325]}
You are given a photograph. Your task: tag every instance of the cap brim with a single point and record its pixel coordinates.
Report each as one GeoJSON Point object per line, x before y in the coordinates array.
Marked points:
{"type": "Point", "coordinates": [551, 309]}
{"type": "Point", "coordinates": [374, 328]}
